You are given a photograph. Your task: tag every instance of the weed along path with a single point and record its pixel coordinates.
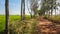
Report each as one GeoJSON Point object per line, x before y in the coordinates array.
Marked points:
{"type": "Point", "coordinates": [47, 27]}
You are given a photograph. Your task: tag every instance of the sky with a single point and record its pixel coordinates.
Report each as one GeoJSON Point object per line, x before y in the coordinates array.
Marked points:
{"type": "Point", "coordinates": [2, 10]}
{"type": "Point", "coordinates": [14, 7]}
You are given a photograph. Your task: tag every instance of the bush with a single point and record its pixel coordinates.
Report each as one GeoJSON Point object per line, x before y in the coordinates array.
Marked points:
{"type": "Point", "coordinates": [23, 27]}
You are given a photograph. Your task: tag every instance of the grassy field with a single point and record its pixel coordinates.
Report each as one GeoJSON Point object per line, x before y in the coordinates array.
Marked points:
{"type": "Point", "coordinates": [2, 22]}
{"type": "Point", "coordinates": [11, 18]}
{"type": "Point", "coordinates": [14, 23]}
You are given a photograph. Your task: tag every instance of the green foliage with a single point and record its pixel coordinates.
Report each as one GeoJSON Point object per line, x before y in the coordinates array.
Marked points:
{"type": "Point", "coordinates": [47, 5]}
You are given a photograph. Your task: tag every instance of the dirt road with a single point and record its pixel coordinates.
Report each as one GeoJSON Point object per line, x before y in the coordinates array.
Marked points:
{"type": "Point", "coordinates": [47, 27]}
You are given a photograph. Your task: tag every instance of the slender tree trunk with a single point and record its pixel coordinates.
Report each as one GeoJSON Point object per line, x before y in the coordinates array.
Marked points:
{"type": "Point", "coordinates": [29, 11]}
{"type": "Point", "coordinates": [31, 14]}
{"type": "Point", "coordinates": [21, 10]}
{"type": "Point", "coordinates": [52, 8]}
{"type": "Point", "coordinates": [7, 15]}
{"type": "Point", "coordinates": [55, 12]}
{"type": "Point", "coordinates": [34, 14]}
{"type": "Point", "coordinates": [51, 11]}
{"type": "Point", "coordinates": [55, 8]}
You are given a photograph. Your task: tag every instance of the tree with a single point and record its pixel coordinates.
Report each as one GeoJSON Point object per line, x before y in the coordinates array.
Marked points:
{"type": "Point", "coordinates": [30, 12]}
{"type": "Point", "coordinates": [34, 6]}
{"type": "Point", "coordinates": [7, 15]}
{"type": "Point", "coordinates": [47, 5]}
{"type": "Point", "coordinates": [22, 9]}
{"type": "Point", "coordinates": [56, 8]}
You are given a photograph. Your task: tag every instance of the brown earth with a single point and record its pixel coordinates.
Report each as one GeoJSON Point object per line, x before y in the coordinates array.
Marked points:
{"type": "Point", "coordinates": [45, 26]}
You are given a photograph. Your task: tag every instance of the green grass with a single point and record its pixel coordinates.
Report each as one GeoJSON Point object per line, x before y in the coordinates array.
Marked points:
{"type": "Point", "coordinates": [14, 18]}
{"type": "Point", "coordinates": [17, 17]}
{"type": "Point", "coordinates": [2, 22]}
{"type": "Point", "coordinates": [11, 18]}
{"type": "Point", "coordinates": [15, 23]}
{"type": "Point", "coordinates": [54, 18]}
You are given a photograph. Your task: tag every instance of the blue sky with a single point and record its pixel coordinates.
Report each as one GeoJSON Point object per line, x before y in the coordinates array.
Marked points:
{"type": "Point", "coordinates": [2, 10]}
{"type": "Point", "coordinates": [14, 7]}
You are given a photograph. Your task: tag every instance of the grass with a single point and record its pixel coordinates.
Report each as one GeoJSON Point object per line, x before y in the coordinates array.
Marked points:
{"type": "Point", "coordinates": [23, 27]}
{"type": "Point", "coordinates": [2, 22]}
{"type": "Point", "coordinates": [14, 18]}
{"type": "Point", "coordinates": [11, 18]}
{"type": "Point", "coordinates": [54, 18]}
{"type": "Point", "coordinates": [15, 25]}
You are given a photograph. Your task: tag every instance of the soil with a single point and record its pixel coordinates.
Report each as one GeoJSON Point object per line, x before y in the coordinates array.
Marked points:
{"type": "Point", "coordinates": [45, 26]}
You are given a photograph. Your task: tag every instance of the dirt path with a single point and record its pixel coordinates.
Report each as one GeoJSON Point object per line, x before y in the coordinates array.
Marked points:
{"type": "Point", "coordinates": [46, 27]}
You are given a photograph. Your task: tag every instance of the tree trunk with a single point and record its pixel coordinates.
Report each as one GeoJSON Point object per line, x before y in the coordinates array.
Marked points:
{"type": "Point", "coordinates": [31, 14]}
{"type": "Point", "coordinates": [21, 10]}
{"type": "Point", "coordinates": [55, 12]}
{"type": "Point", "coordinates": [7, 15]}
{"type": "Point", "coordinates": [55, 8]}
{"type": "Point", "coordinates": [24, 10]}
{"type": "Point", "coordinates": [51, 11]}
